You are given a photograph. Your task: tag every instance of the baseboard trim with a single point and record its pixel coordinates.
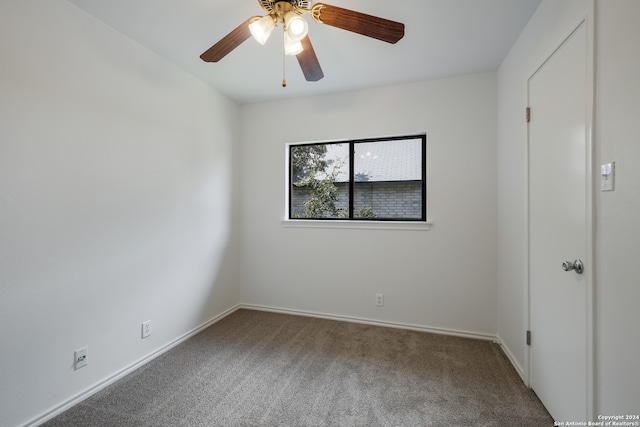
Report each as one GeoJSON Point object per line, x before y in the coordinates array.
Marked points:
{"type": "Point", "coordinates": [57, 410]}
{"type": "Point", "coordinates": [512, 359]}
{"type": "Point", "coordinates": [352, 319]}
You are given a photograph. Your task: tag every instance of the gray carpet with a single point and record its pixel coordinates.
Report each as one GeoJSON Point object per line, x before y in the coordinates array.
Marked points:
{"type": "Point", "coordinates": [265, 369]}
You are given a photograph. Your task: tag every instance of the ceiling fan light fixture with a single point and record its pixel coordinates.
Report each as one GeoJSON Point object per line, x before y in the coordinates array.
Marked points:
{"type": "Point", "coordinates": [262, 28]}
{"type": "Point", "coordinates": [296, 26]}
{"type": "Point", "coordinates": [291, 47]}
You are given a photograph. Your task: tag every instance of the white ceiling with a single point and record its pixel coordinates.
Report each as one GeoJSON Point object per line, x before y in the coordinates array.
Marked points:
{"type": "Point", "coordinates": [442, 38]}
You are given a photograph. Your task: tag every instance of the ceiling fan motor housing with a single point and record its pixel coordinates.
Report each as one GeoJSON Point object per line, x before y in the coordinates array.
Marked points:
{"type": "Point", "coordinates": [269, 5]}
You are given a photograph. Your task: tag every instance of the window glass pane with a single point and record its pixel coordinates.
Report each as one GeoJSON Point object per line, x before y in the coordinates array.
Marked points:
{"type": "Point", "coordinates": [319, 181]}
{"type": "Point", "coordinates": [388, 179]}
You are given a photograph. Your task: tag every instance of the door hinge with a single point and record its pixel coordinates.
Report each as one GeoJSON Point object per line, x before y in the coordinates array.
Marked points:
{"type": "Point", "coordinates": [528, 337]}
{"type": "Point", "coordinates": [528, 114]}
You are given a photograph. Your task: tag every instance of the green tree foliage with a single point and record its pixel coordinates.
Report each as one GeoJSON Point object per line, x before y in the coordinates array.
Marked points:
{"type": "Point", "coordinates": [309, 167]}
{"type": "Point", "coordinates": [324, 195]}
{"type": "Point", "coordinates": [308, 158]}
{"type": "Point", "coordinates": [366, 212]}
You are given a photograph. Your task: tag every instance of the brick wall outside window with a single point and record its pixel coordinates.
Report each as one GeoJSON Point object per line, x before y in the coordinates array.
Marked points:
{"type": "Point", "coordinates": [400, 199]}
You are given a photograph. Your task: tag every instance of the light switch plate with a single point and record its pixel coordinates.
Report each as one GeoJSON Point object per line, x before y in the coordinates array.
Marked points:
{"type": "Point", "coordinates": [608, 177]}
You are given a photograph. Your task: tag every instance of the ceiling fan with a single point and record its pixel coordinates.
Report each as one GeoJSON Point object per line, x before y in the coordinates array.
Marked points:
{"type": "Point", "coordinates": [290, 13]}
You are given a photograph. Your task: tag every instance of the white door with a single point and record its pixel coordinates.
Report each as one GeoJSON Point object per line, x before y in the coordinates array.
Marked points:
{"type": "Point", "coordinates": [558, 221]}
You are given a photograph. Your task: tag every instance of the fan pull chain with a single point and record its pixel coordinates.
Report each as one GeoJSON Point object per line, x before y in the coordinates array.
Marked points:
{"type": "Point", "coordinates": [284, 80]}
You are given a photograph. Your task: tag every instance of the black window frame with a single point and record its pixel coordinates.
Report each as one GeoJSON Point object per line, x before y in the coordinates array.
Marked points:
{"type": "Point", "coordinates": [351, 183]}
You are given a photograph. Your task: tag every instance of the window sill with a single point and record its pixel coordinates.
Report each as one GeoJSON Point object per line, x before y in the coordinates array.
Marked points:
{"type": "Point", "coordinates": [367, 225]}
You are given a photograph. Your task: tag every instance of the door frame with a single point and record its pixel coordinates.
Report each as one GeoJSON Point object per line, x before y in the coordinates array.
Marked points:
{"type": "Point", "coordinates": [590, 91]}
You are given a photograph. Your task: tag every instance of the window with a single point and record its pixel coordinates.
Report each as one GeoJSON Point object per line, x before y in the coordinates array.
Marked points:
{"type": "Point", "coordinates": [377, 179]}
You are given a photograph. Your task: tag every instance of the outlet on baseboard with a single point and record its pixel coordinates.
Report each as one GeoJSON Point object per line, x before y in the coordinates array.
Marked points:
{"type": "Point", "coordinates": [80, 358]}
{"type": "Point", "coordinates": [146, 329]}
{"type": "Point", "coordinates": [379, 300]}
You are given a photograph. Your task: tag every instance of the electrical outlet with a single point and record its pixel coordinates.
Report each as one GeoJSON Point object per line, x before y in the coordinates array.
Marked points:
{"type": "Point", "coordinates": [80, 358]}
{"type": "Point", "coordinates": [146, 329]}
{"type": "Point", "coordinates": [379, 300]}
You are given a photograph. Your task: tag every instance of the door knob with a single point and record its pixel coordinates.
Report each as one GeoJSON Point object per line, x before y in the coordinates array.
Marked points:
{"type": "Point", "coordinates": [577, 266]}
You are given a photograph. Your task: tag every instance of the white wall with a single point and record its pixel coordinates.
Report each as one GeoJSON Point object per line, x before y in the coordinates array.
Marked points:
{"type": "Point", "coordinates": [618, 212]}
{"type": "Point", "coordinates": [617, 138]}
{"type": "Point", "coordinates": [442, 278]}
{"type": "Point", "coordinates": [116, 204]}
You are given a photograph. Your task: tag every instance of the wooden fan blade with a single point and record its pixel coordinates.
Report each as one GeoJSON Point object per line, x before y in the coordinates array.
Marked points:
{"type": "Point", "coordinates": [309, 62]}
{"type": "Point", "coordinates": [361, 23]}
{"type": "Point", "coordinates": [229, 42]}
